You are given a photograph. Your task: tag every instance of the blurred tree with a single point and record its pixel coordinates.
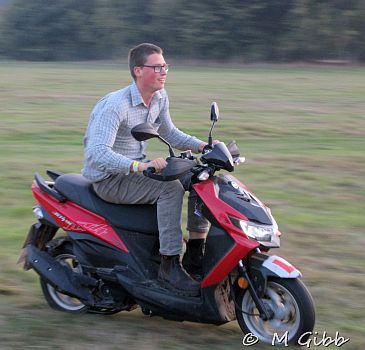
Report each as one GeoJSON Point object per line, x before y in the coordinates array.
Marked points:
{"type": "Point", "coordinates": [325, 29]}
{"type": "Point", "coordinates": [231, 29]}
{"type": "Point", "coordinates": [48, 30]}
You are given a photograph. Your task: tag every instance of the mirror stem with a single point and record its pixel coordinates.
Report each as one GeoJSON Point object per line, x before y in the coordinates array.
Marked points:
{"type": "Point", "coordinates": [210, 140]}
{"type": "Point", "coordinates": [172, 154]}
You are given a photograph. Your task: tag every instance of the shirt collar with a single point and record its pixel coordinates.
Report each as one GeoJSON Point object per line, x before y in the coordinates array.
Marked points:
{"type": "Point", "coordinates": [137, 97]}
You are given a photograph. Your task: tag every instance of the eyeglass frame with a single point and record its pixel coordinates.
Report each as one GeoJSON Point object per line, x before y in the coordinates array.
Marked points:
{"type": "Point", "coordinates": [158, 67]}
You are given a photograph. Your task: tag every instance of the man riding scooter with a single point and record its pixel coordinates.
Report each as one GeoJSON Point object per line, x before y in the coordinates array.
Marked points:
{"type": "Point", "coordinates": [114, 162]}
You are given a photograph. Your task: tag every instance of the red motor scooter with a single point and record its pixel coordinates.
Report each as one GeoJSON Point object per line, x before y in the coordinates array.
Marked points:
{"type": "Point", "coordinates": [109, 258]}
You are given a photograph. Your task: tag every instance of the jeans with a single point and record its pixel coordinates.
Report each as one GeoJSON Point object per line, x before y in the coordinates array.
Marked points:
{"type": "Point", "coordinates": [136, 188]}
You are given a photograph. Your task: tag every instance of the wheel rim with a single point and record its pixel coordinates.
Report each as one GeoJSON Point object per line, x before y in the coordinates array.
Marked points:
{"type": "Point", "coordinates": [286, 314]}
{"type": "Point", "coordinates": [65, 301]}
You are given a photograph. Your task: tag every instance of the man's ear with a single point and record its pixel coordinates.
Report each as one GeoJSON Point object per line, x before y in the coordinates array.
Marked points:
{"type": "Point", "coordinates": [137, 71]}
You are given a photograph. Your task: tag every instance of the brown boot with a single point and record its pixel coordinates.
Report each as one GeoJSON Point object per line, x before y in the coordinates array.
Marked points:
{"type": "Point", "coordinates": [174, 277]}
{"type": "Point", "coordinates": [193, 258]}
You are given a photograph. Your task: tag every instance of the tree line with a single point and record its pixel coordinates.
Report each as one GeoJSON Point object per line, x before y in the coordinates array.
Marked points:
{"type": "Point", "coordinates": [243, 30]}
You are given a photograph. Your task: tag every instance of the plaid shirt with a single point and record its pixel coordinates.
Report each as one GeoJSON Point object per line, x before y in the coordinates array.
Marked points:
{"type": "Point", "coordinates": [110, 148]}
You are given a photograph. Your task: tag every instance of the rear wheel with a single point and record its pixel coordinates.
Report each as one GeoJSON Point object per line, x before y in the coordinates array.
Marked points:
{"type": "Point", "coordinates": [292, 307]}
{"type": "Point", "coordinates": [56, 299]}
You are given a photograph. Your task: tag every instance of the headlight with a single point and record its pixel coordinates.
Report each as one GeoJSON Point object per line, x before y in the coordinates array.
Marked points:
{"type": "Point", "coordinates": [258, 232]}
{"type": "Point", "coordinates": [204, 175]}
{"type": "Point", "coordinates": [261, 233]}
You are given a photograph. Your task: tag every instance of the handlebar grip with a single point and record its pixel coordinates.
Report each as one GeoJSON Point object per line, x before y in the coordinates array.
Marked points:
{"type": "Point", "coordinates": [149, 171]}
{"type": "Point", "coordinates": [207, 148]}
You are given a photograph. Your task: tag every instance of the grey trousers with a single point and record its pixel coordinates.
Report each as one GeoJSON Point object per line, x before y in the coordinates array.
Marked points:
{"type": "Point", "coordinates": [136, 188]}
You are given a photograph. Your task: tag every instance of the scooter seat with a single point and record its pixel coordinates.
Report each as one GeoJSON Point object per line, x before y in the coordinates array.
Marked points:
{"type": "Point", "coordinates": [137, 218]}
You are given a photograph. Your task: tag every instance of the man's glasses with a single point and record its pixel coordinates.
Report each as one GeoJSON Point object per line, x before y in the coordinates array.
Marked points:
{"type": "Point", "coordinates": [158, 68]}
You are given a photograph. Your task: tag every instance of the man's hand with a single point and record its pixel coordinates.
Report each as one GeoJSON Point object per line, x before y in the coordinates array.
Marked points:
{"type": "Point", "coordinates": [203, 144]}
{"type": "Point", "coordinates": [159, 164]}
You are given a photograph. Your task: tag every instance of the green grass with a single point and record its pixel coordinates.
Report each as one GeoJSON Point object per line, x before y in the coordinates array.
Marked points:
{"type": "Point", "coordinates": [302, 131]}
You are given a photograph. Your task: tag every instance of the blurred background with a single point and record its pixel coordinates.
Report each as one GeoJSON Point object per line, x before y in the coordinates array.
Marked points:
{"type": "Point", "coordinates": [289, 80]}
{"type": "Point", "coordinates": [240, 30]}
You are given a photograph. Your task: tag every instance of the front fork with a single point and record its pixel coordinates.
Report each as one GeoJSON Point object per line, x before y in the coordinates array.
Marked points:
{"type": "Point", "coordinates": [265, 313]}
{"type": "Point", "coordinates": [261, 267]}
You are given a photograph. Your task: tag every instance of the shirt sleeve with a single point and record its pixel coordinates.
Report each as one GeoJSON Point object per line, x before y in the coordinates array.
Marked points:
{"type": "Point", "coordinates": [99, 140]}
{"type": "Point", "coordinates": [172, 134]}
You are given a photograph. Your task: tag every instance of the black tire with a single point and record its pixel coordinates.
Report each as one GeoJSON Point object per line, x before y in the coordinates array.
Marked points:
{"type": "Point", "coordinates": [57, 300]}
{"type": "Point", "coordinates": [293, 309]}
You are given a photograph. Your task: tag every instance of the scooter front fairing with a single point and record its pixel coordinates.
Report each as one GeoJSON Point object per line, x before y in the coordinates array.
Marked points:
{"type": "Point", "coordinates": [208, 191]}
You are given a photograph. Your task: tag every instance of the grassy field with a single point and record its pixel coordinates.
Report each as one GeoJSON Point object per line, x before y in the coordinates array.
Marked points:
{"type": "Point", "coordinates": [302, 131]}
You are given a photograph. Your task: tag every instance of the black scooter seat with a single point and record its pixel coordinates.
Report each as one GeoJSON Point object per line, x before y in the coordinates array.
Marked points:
{"type": "Point", "coordinates": [138, 218]}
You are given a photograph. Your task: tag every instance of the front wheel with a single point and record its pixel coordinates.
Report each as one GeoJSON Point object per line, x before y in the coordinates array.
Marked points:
{"type": "Point", "coordinates": [292, 307]}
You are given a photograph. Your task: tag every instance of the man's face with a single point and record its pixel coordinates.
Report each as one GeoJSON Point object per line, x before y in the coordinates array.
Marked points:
{"type": "Point", "coordinates": [147, 79]}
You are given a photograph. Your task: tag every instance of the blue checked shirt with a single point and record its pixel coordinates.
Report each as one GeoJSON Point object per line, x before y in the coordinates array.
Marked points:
{"type": "Point", "coordinates": [110, 148]}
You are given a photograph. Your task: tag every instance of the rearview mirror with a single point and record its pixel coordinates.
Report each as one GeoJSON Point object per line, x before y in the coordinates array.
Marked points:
{"type": "Point", "coordinates": [144, 131]}
{"type": "Point", "coordinates": [214, 112]}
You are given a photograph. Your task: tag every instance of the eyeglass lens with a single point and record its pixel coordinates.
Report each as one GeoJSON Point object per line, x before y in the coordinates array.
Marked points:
{"type": "Point", "coordinates": [158, 69]}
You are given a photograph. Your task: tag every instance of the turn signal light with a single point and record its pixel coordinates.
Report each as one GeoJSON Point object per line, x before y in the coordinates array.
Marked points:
{"type": "Point", "coordinates": [242, 283]}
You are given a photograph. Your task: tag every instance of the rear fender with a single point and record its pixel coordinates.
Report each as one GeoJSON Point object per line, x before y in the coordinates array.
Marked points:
{"type": "Point", "coordinates": [39, 235]}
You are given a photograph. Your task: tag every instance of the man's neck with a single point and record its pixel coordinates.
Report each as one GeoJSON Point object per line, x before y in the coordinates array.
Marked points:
{"type": "Point", "coordinates": [147, 96]}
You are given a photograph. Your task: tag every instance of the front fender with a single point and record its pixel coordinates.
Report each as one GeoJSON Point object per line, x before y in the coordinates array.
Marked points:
{"type": "Point", "coordinates": [261, 267]}
{"type": "Point", "coordinates": [279, 267]}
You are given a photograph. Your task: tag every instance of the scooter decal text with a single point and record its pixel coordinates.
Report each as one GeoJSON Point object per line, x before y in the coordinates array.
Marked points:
{"type": "Point", "coordinates": [67, 224]}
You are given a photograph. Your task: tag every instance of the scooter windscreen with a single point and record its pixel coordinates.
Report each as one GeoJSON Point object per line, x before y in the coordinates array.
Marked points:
{"type": "Point", "coordinates": [175, 168]}
{"type": "Point", "coordinates": [220, 157]}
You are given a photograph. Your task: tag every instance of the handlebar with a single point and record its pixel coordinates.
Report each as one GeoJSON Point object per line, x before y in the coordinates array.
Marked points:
{"type": "Point", "coordinates": [216, 159]}
{"type": "Point", "coordinates": [176, 167]}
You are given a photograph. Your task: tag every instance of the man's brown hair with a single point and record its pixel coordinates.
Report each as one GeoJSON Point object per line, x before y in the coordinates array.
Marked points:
{"type": "Point", "coordinates": [138, 55]}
